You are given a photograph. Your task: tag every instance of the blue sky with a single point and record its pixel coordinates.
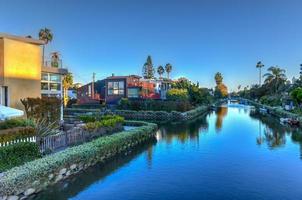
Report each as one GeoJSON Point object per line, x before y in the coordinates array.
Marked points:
{"type": "Point", "coordinates": [198, 38]}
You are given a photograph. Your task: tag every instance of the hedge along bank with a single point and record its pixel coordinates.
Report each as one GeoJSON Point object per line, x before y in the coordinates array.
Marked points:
{"type": "Point", "coordinates": [278, 112]}
{"type": "Point", "coordinates": [35, 176]}
{"type": "Point", "coordinates": [162, 116]}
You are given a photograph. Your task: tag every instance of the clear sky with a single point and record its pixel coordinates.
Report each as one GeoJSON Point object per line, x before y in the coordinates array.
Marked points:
{"type": "Point", "coordinates": [198, 38]}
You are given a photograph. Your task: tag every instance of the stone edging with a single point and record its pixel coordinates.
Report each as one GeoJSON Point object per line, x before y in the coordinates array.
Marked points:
{"type": "Point", "coordinates": [33, 177]}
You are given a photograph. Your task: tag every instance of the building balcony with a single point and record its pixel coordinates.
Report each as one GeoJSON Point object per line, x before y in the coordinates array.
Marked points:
{"type": "Point", "coordinates": [54, 67]}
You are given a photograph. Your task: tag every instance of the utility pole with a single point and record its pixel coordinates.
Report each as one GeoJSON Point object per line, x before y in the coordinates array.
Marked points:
{"type": "Point", "coordinates": [300, 72]}
{"type": "Point", "coordinates": [92, 85]}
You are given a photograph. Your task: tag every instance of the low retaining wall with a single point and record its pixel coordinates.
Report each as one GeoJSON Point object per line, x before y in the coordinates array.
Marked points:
{"type": "Point", "coordinates": [32, 177]}
{"type": "Point", "coordinates": [162, 116]}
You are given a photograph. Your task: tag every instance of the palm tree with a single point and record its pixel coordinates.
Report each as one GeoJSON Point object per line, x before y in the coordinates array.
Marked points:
{"type": "Point", "coordinates": [259, 65]}
{"type": "Point", "coordinates": [218, 78]}
{"type": "Point", "coordinates": [160, 71]}
{"type": "Point", "coordinates": [275, 76]}
{"type": "Point", "coordinates": [67, 83]}
{"type": "Point", "coordinates": [47, 36]}
{"type": "Point", "coordinates": [168, 68]}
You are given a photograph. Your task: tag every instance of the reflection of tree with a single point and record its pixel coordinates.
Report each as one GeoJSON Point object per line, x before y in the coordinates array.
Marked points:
{"type": "Point", "coordinates": [274, 138]}
{"type": "Point", "coordinates": [221, 112]}
{"type": "Point", "coordinates": [184, 131]}
{"type": "Point", "coordinates": [274, 133]}
{"type": "Point", "coordinates": [260, 138]}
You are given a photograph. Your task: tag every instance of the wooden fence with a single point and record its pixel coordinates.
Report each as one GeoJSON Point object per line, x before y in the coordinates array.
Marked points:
{"type": "Point", "coordinates": [62, 140]}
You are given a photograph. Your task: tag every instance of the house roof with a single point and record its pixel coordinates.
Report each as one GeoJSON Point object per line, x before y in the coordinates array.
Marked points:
{"type": "Point", "coordinates": [22, 39]}
{"type": "Point", "coordinates": [121, 77]}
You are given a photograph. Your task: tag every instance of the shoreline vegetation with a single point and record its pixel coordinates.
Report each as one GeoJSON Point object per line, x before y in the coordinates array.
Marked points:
{"type": "Point", "coordinates": [34, 176]}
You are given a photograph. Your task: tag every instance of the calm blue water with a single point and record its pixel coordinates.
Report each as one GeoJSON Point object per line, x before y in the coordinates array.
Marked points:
{"type": "Point", "coordinates": [228, 154]}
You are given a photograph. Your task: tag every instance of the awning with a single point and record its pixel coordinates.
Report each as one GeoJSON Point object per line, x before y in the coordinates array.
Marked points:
{"type": "Point", "coordinates": [8, 112]}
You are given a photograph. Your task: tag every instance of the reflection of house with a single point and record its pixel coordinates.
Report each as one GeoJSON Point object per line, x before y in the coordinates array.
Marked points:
{"type": "Point", "coordinates": [114, 88]}
{"type": "Point", "coordinates": [22, 74]}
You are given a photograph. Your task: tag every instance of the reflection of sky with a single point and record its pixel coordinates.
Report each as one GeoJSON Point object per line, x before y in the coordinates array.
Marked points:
{"type": "Point", "coordinates": [224, 165]}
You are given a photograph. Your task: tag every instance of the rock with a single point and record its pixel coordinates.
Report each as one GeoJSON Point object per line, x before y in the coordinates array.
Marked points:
{"type": "Point", "coordinates": [59, 177]}
{"type": "Point", "coordinates": [73, 167]}
{"type": "Point", "coordinates": [50, 176]}
{"type": "Point", "coordinates": [63, 171]}
{"type": "Point", "coordinates": [68, 173]}
{"type": "Point", "coordinates": [13, 198]}
{"type": "Point", "coordinates": [36, 183]}
{"type": "Point", "coordinates": [29, 191]}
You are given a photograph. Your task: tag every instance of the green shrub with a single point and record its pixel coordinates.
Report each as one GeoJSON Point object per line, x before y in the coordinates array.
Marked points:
{"type": "Point", "coordinates": [12, 123]}
{"type": "Point", "coordinates": [177, 94]}
{"type": "Point", "coordinates": [17, 179]}
{"type": "Point", "coordinates": [155, 105]}
{"type": "Point", "coordinates": [17, 133]}
{"type": "Point", "coordinates": [18, 154]}
{"type": "Point", "coordinates": [102, 121]}
{"type": "Point", "coordinates": [48, 108]}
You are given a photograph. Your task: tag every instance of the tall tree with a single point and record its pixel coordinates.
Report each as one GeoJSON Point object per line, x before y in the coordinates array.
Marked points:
{"type": "Point", "coordinates": [47, 36]}
{"type": "Point", "coordinates": [168, 68]}
{"type": "Point", "coordinates": [275, 77]}
{"type": "Point", "coordinates": [259, 65]}
{"type": "Point", "coordinates": [148, 69]}
{"type": "Point", "coordinates": [220, 90]}
{"type": "Point", "coordinates": [160, 71]}
{"type": "Point", "coordinates": [67, 83]}
{"type": "Point", "coordinates": [218, 78]}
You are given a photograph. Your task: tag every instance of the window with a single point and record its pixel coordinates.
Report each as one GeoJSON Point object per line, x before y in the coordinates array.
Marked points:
{"type": "Point", "coordinates": [55, 77]}
{"type": "Point", "coordinates": [4, 95]}
{"type": "Point", "coordinates": [44, 76]}
{"type": "Point", "coordinates": [44, 86]}
{"type": "Point", "coordinates": [55, 86]}
{"type": "Point", "coordinates": [133, 93]}
{"type": "Point", "coordinates": [116, 87]}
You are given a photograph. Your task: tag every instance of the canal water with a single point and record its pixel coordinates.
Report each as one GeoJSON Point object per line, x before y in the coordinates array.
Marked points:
{"type": "Point", "coordinates": [231, 153]}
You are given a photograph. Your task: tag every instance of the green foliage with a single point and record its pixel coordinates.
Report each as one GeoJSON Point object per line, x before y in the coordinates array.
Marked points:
{"type": "Point", "coordinates": [48, 108]}
{"type": "Point", "coordinates": [197, 95]}
{"type": "Point", "coordinates": [218, 78]}
{"type": "Point", "coordinates": [17, 133]}
{"type": "Point", "coordinates": [154, 105]}
{"type": "Point", "coordinates": [168, 68]}
{"type": "Point", "coordinates": [12, 123]}
{"type": "Point", "coordinates": [15, 180]}
{"type": "Point", "coordinates": [160, 71]}
{"type": "Point", "coordinates": [270, 100]}
{"type": "Point", "coordinates": [296, 95]}
{"type": "Point", "coordinates": [103, 121]}
{"type": "Point", "coordinates": [148, 69]}
{"type": "Point", "coordinates": [18, 154]}
{"type": "Point", "coordinates": [177, 94]}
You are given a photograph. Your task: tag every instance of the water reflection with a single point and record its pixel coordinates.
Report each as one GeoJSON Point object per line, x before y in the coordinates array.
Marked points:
{"type": "Point", "coordinates": [221, 112]}
{"type": "Point", "coordinates": [274, 133]}
{"type": "Point", "coordinates": [72, 186]}
{"type": "Point", "coordinates": [183, 131]}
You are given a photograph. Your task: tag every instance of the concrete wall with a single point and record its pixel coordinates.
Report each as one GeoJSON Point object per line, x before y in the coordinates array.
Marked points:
{"type": "Point", "coordinates": [22, 70]}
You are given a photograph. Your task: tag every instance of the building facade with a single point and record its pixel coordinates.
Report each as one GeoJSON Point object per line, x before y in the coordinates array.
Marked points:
{"type": "Point", "coordinates": [114, 88]}
{"type": "Point", "coordinates": [22, 73]}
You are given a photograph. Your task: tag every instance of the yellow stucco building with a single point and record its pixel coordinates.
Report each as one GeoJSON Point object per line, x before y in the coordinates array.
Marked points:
{"type": "Point", "coordinates": [21, 70]}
